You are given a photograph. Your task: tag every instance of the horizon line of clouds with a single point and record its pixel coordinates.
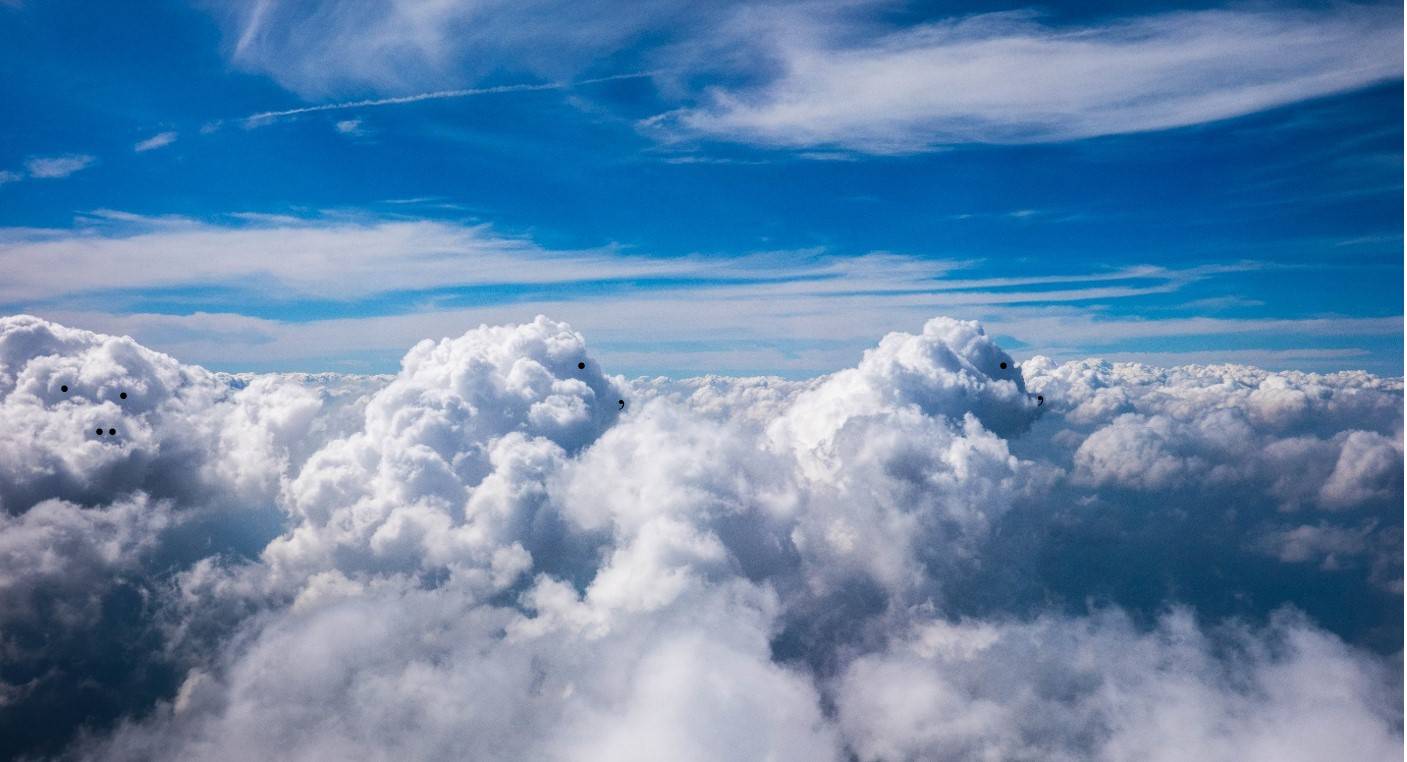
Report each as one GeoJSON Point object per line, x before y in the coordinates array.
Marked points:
{"type": "Point", "coordinates": [803, 340]}
{"type": "Point", "coordinates": [809, 310]}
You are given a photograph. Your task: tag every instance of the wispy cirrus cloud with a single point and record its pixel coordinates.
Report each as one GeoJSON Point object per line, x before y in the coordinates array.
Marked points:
{"type": "Point", "coordinates": [837, 77]}
{"type": "Point", "coordinates": [159, 140]}
{"type": "Point", "coordinates": [265, 117]}
{"type": "Point", "coordinates": [1013, 78]}
{"type": "Point", "coordinates": [400, 47]}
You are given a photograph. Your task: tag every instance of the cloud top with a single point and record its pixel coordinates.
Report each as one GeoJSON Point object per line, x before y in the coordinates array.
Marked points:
{"type": "Point", "coordinates": [484, 555]}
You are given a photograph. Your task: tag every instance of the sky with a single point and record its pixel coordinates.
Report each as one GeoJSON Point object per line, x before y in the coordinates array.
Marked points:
{"type": "Point", "coordinates": [761, 188]}
{"type": "Point", "coordinates": [623, 381]}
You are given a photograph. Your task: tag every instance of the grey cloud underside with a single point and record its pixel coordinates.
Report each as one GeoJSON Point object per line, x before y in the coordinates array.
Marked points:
{"type": "Point", "coordinates": [484, 557]}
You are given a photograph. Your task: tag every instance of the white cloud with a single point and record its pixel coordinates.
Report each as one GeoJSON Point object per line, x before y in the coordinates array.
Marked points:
{"type": "Point", "coordinates": [6, 176]}
{"type": "Point", "coordinates": [824, 75]}
{"type": "Point", "coordinates": [485, 556]}
{"type": "Point", "coordinates": [795, 311]}
{"type": "Point", "coordinates": [266, 117]}
{"type": "Point", "coordinates": [1104, 690]}
{"type": "Point", "coordinates": [336, 260]}
{"type": "Point", "coordinates": [159, 140]}
{"type": "Point", "coordinates": [406, 47]}
{"type": "Point", "coordinates": [1010, 78]}
{"type": "Point", "coordinates": [349, 126]}
{"type": "Point", "coordinates": [57, 166]}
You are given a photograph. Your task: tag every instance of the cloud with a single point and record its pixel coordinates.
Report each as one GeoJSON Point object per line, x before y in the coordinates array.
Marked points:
{"type": "Point", "coordinates": [402, 48]}
{"type": "Point", "coordinates": [836, 77]}
{"type": "Point", "coordinates": [340, 260]}
{"type": "Point", "coordinates": [48, 167]}
{"type": "Point", "coordinates": [265, 288]}
{"type": "Point", "coordinates": [159, 140]}
{"type": "Point", "coordinates": [349, 126]}
{"type": "Point", "coordinates": [58, 166]}
{"type": "Point", "coordinates": [266, 117]}
{"type": "Point", "coordinates": [1012, 78]}
{"type": "Point", "coordinates": [484, 555]}
{"type": "Point", "coordinates": [1105, 690]}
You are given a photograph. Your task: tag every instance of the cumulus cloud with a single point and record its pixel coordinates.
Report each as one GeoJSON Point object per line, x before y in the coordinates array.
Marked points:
{"type": "Point", "coordinates": [484, 555]}
{"type": "Point", "coordinates": [1098, 688]}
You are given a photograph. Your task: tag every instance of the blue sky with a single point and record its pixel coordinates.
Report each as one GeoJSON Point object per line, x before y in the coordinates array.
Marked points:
{"type": "Point", "coordinates": [752, 188]}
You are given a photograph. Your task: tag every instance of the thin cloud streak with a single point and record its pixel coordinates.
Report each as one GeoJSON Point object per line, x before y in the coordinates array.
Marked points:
{"type": "Point", "coordinates": [265, 117]}
{"type": "Point", "coordinates": [159, 140]}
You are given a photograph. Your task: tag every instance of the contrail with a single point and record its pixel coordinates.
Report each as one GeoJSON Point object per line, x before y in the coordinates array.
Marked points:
{"type": "Point", "coordinates": [268, 116]}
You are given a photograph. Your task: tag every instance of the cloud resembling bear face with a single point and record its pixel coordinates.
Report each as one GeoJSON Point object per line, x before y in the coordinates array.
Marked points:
{"type": "Point", "coordinates": [484, 556]}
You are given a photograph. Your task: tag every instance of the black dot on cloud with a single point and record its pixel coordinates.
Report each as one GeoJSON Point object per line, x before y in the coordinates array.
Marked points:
{"type": "Point", "coordinates": [1003, 366]}
{"type": "Point", "coordinates": [581, 366]}
{"type": "Point", "coordinates": [112, 432]}
{"type": "Point", "coordinates": [63, 388]}
{"type": "Point", "coordinates": [100, 432]}
{"type": "Point", "coordinates": [123, 395]}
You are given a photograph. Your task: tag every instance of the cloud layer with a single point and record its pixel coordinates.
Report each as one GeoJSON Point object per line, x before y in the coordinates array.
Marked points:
{"type": "Point", "coordinates": [838, 75]}
{"type": "Point", "coordinates": [329, 291]}
{"type": "Point", "coordinates": [1008, 78]}
{"type": "Point", "coordinates": [484, 555]}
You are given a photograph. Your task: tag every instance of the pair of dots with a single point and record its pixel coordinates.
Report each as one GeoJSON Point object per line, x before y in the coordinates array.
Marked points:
{"type": "Point", "coordinates": [110, 432]}
{"type": "Point", "coordinates": [64, 389]}
{"type": "Point", "coordinates": [1040, 399]}
{"type": "Point", "coordinates": [582, 366]}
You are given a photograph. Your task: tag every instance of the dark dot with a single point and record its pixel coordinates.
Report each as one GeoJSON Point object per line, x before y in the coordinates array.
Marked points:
{"type": "Point", "coordinates": [581, 366]}
{"type": "Point", "coordinates": [123, 395]}
{"type": "Point", "coordinates": [1040, 400]}
{"type": "Point", "coordinates": [112, 432]}
{"type": "Point", "coordinates": [63, 388]}
{"type": "Point", "coordinates": [1003, 366]}
{"type": "Point", "coordinates": [621, 403]}
{"type": "Point", "coordinates": [100, 432]}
